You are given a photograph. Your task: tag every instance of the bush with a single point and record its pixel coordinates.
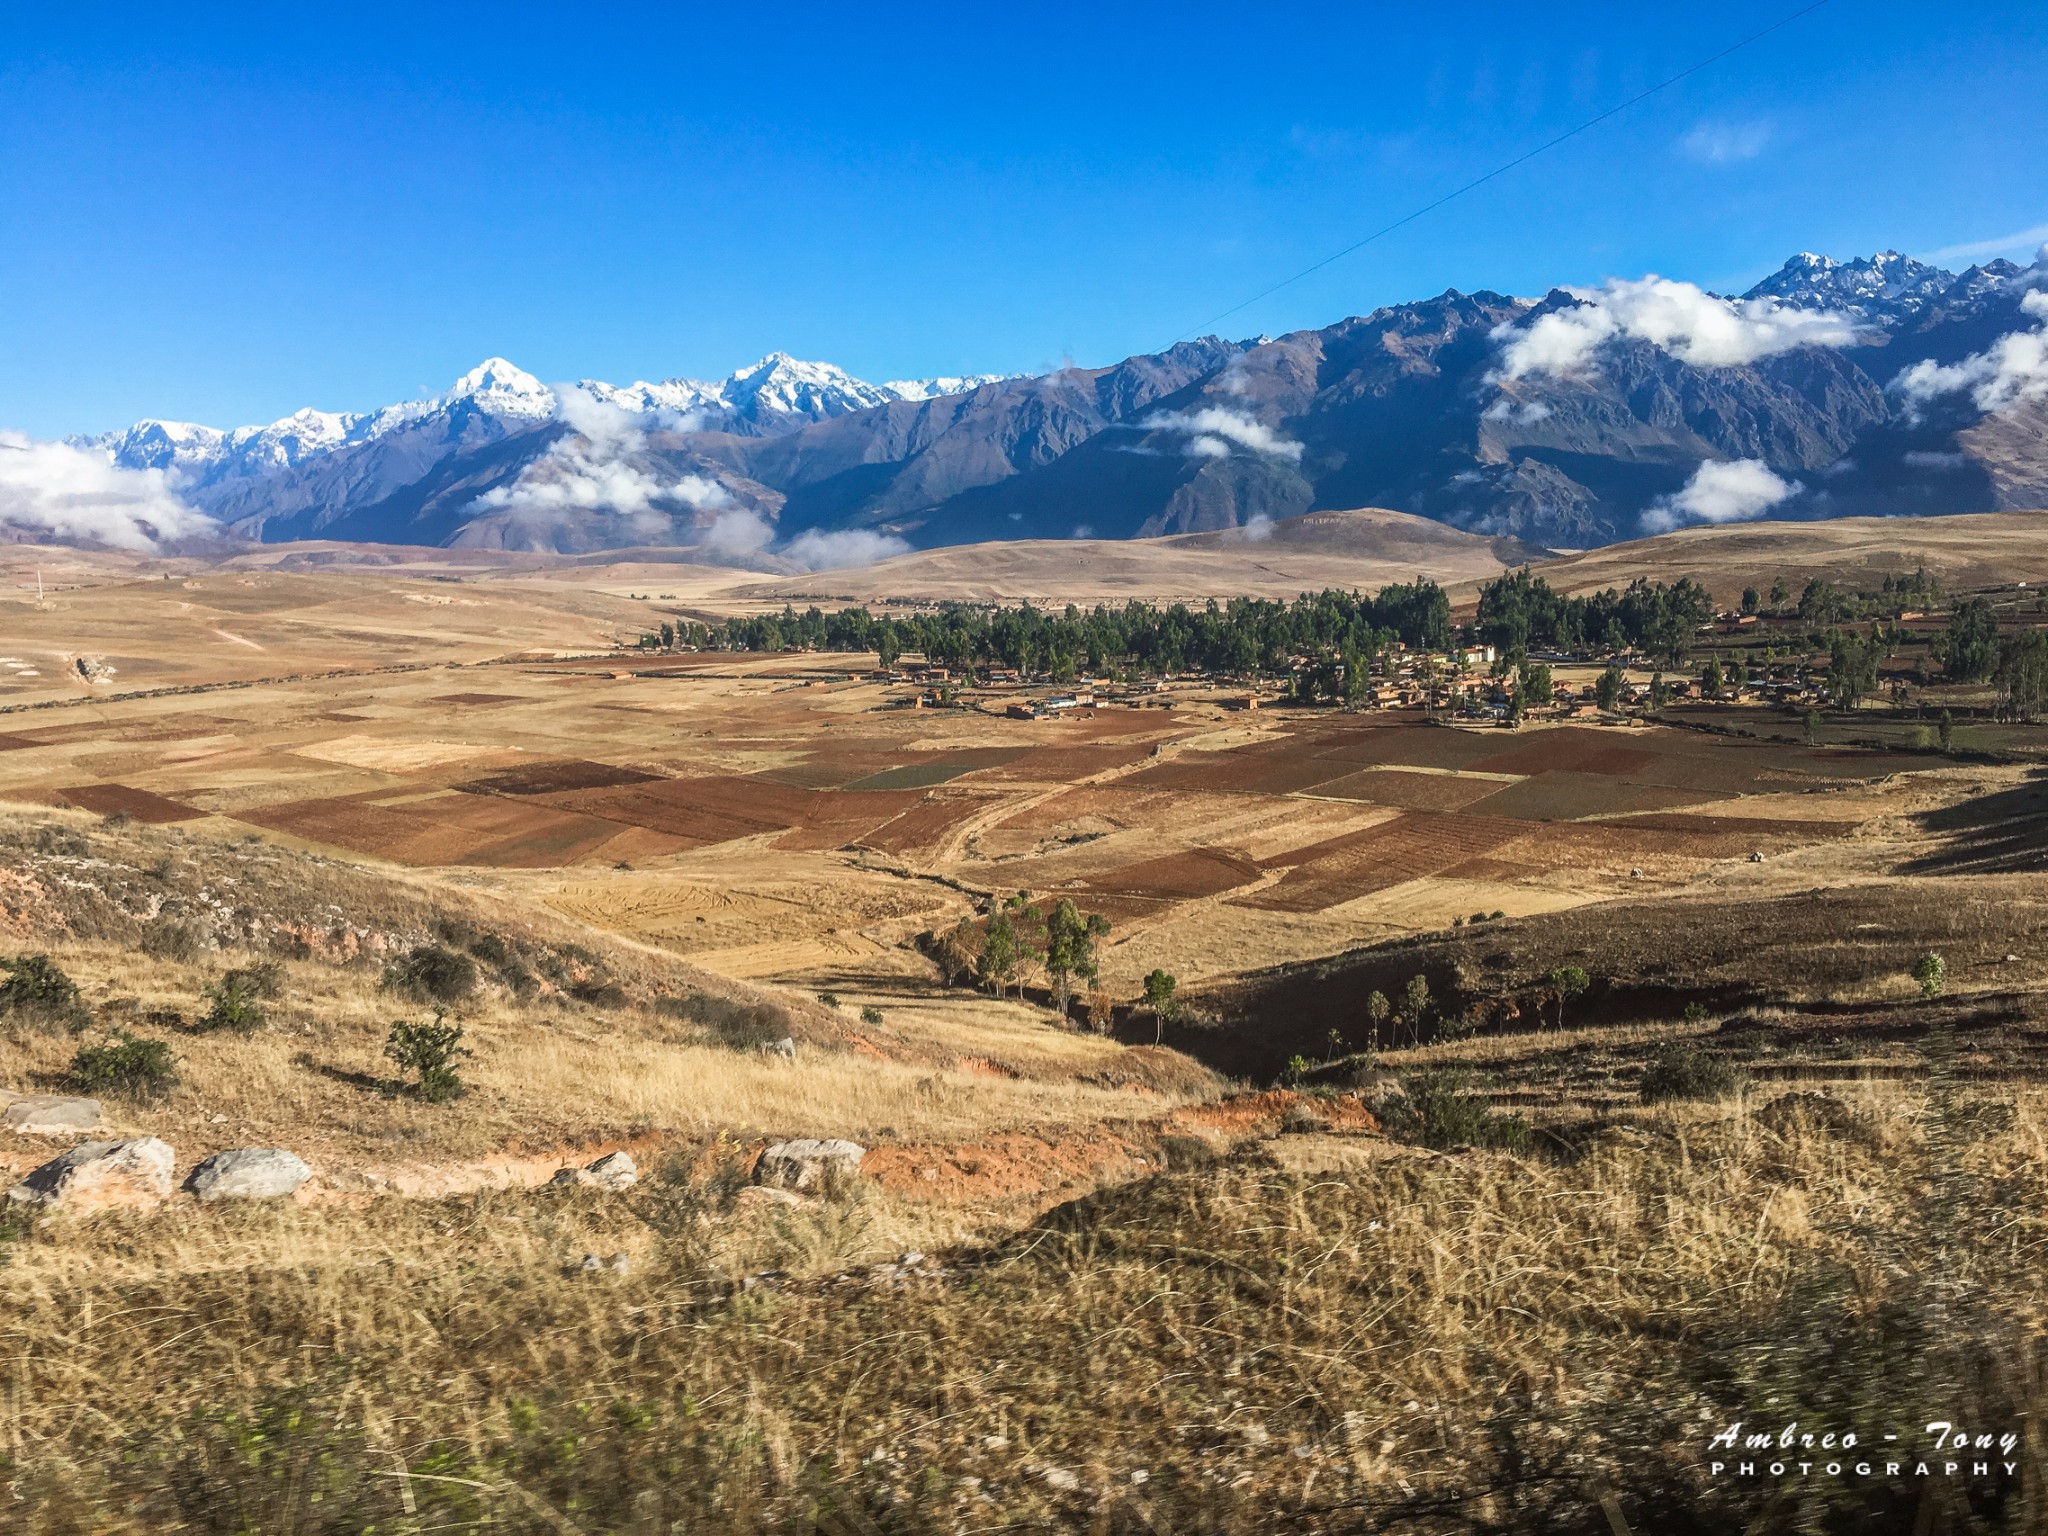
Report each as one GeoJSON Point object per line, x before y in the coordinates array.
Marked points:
{"type": "Point", "coordinates": [829, 999]}
{"type": "Point", "coordinates": [430, 1051]}
{"type": "Point", "coordinates": [36, 989]}
{"type": "Point", "coordinates": [125, 1064]}
{"type": "Point", "coordinates": [234, 1002]}
{"type": "Point", "coordinates": [599, 991]}
{"type": "Point", "coordinates": [1439, 1112]}
{"type": "Point", "coordinates": [870, 1015]}
{"type": "Point", "coordinates": [172, 939]}
{"type": "Point", "coordinates": [743, 1026]}
{"type": "Point", "coordinates": [1687, 1072]}
{"type": "Point", "coordinates": [432, 973]}
{"type": "Point", "coordinates": [1931, 972]}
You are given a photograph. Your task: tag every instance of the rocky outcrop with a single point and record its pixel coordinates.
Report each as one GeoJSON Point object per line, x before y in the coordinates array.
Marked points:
{"type": "Point", "coordinates": [101, 1176]}
{"type": "Point", "coordinates": [808, 1163]}
{"type": "Point", "coordinates": [48, 1114]}
{"type": "Point", "coordinates": [249, 1173]}
{"type": "Point", "coordinates": [614, 1172]}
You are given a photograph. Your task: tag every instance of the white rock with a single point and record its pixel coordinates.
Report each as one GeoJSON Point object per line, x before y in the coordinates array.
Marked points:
{"type": "Point", "coordinates": [102, 1175]}
{"type": "Point", "coordinates": [43, 1114]}
{"type": "Point", "coordinates": [614, 1172]}
{"type": "Point", "coordinates": [806, 1162]}
{"type": "Point", "coordinates": [249, 1173]}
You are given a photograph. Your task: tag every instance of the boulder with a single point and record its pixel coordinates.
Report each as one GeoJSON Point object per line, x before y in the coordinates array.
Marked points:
{"type": "Point", "coordinates": [614, 1172]}
{"type": "Point", "coordinates": [249, 1173]}
{"type": "Point", "coordinates": [44, 1114]}
{"type": "Point", "coordinates": [807, 1163]}
{"type": "Point", "coordinates": [100, 1176]}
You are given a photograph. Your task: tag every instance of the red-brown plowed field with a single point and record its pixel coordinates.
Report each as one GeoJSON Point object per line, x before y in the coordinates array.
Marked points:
{"type": "Point", "coordinates": [1180, 876]}
{"type": "Point", "coordinates": [121, 800]}
{"type": "Point", "coordinates": [553, 778]}
{"type": "Point", "coordinates": [1410, 847]}
{"type": "Point", "coordinates": [451, 829]}
{"type": "Point", "coordinates": [924, 827]}
{"type": "Point", "coordinates": [1409, 791]}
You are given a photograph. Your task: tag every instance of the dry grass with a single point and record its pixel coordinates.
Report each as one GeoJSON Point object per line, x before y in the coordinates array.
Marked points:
{"type": "Point", "coordinates": [1469, 1343]}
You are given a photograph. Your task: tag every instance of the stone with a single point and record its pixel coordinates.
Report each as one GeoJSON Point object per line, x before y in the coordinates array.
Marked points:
{"type": "Point", "coordinates": [785, 1048]}
{"type": "Point", "coordinates": [760, 1195]}
{"type": "Point", "coordinates": [44, 1114]}
{"type": "Point", "coordinates": [807, 1162]}
{"type": "Point", "coordinates": [100, 1176]}
{"type": "Point", "coordinates": [612, 1173]}
{"type": "Point", "coordinates": [249, 1173]}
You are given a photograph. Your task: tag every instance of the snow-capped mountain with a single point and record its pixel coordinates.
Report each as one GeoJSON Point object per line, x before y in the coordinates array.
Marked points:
{"type": "Point", "coordinates": [1880, 385]}
{"type": "Point", "coordinates": [780, 393]}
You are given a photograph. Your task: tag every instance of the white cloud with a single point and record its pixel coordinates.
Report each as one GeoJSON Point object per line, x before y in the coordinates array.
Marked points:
{"type": "Point", "coordinates": [1723, 143]}
{"type": "Point", "coordinates": [1923, 460]}
{"type": "Point", "coordinates": [1522, 413]}
{"type": "Point", "coordinates": [739, 531]}
{"type": "Point", "coordinates": [1721, 491]}
{"type": "Point", "coordinates": [817, 551]}
{"type": "Point", "coordinates": [1975, 250]}
{"type": "Point", "coordinates": [1258, 527]}
{"type": "Point", "coordinates": [1691, 324]}
{"type": "Point", "coordinates": [58, 491]}
{"type": "Point", "coordinates": [2011, 370]}
{"type": "Point", "coordinates": [1212, 430]}
{"type": "Point", "coordinates": [592, 470]}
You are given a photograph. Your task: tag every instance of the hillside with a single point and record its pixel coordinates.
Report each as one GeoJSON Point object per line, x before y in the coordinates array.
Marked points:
{"type": "Point", "coordinates": [1365, 549]}
{"type": "Point", "coordinates": [1989, 549]}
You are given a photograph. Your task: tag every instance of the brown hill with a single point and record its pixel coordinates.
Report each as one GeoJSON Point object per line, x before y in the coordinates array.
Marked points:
{"type": "Point", "coordinates": [1364, 548]}
{"type": "Point", "coordinates": [1981, 550]}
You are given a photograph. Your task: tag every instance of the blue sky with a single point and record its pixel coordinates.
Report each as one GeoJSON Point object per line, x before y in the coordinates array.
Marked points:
{"type": "Point", "coordinates": [220, 214]}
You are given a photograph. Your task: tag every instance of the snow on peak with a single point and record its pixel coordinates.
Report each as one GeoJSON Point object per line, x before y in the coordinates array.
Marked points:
{"type": "Point", "coordinates": [1865, 287]}
{"type": "Point", "coordinates": [503, 390]}
{"type": "Point", "coordinates": [932, 389]}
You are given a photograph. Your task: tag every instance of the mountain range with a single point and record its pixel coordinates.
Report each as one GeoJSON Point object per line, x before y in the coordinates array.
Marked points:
{"type": "Point", "coordinates": [1875, 386]}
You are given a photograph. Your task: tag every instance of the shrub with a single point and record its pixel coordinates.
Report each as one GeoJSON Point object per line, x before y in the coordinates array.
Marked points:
{"type": "Point", "coordinates": [599, 992]}
{"type": "Point", "coordinates": [743, 1026]}
{"type": "Point", "coordinates": [1687, 1072]}
{"type": "Point", "coordinates": [125, 1064]}
{"type": "Point", "coordinates": [1931, 971]}
{"type": "Point", "coordinates": [37, 989]}
{"type": "Point", "coordinates": [173, 939]}
{"type": "Point", "coordinates": [1439, 1112]}
{"type": "Point", "coordinates": [870, 1015]}
{"type": "Point", "coordinates": [432, 973]}
{"type": "Point", "coordinates": [829, 999]}
{"type": "Point", "coordinates": [430, 1051]}
{"type": "Point", "coordinates": [234, 1003]}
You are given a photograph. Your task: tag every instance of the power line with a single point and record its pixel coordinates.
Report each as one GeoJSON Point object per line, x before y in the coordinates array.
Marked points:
{"type": "Point", "coordinates": [1502, 170]}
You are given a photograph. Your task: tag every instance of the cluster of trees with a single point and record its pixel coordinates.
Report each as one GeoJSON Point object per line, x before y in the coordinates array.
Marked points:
{"type": "Point", "coordinates": [1519, 611]}
{"type": "Point", "coordinates": [1019, 935]}
{"type": "Point", "coordinates": [1244, 637]}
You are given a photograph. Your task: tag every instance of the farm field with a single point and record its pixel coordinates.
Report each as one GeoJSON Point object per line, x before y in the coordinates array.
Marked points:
{"type": "Point", "coordinates": [784, 818]}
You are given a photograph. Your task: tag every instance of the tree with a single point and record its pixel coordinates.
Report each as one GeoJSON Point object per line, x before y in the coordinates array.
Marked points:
{"type": "Point", "coordinates": [1947, 728]}
{"type": "Point", "coordinates": [1377, 1011]}
{"type": "Point", "coordinates": [1780, 594]}
{"type": "Point", "coordinates": [888, 647]}
{"type": "Point", "coordinates": [1532, 684]}
{"type": "Point", "coordinates": [1607, 690]}
{"type": "Point", "coordinates": [1852, 670]}
{"type": "Point", "coordinates": [1070, 949]}
{"type": "Point", "coordinates": [2022, 675]}
{"type": "Point", "coordinates": [1968, 648]}
{"type": "Point", "coordinates": [1752, 601]}
{"type": "Point", "coordinates": [1159, 989]}
{"type": "Point", "coordinates": [1569, 981]}
{"type": "Point", "coordinates": [1415, 1004]}
{"type": "Point", "coordinates": [430, 1051]}
{"type": "Point", "coordinates": [1931, 971]}
{"type": "Point", "coordinates": [996, 965]}
{"type": "Point", "coordinates": [1712, 678]}
{"type": "Point", "coordinates": [1813, 727]}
